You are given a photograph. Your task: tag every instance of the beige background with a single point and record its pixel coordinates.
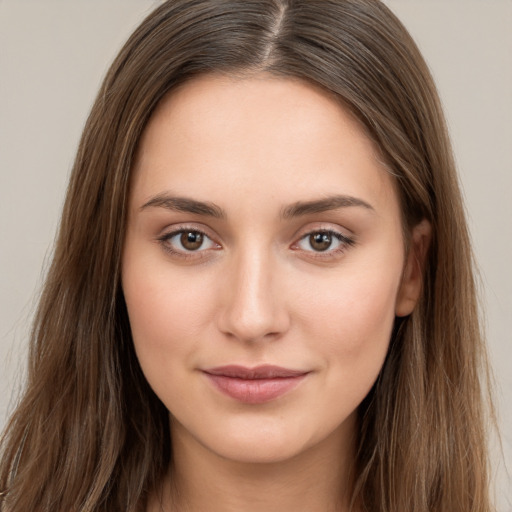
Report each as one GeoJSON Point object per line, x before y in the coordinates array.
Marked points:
{"type": "Point", "coordinates": [53, 54]}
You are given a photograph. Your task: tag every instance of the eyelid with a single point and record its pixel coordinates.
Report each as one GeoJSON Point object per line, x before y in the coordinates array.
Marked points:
{"type": "Point", "coordinates": [324, 227]}
{"type": "Point", "coordinates": [346, 241]}
{"type": "Point", "coordinates": [175, 230]}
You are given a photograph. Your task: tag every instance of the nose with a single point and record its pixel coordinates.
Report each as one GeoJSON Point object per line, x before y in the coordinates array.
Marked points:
{"type": "Point", "coordinates": [253, 305]}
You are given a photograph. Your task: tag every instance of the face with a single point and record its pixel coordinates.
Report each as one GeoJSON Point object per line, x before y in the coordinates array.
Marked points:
{"type": "Point", "coordinates": [263, 265]}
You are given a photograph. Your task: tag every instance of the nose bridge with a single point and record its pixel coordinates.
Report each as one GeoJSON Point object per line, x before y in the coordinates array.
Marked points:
{"type": "Point", "coordinates": [253, 309]}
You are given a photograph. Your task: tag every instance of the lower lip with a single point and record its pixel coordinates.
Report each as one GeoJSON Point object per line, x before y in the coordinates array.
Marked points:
{"type": "Point", "coordinates": [255, 391]}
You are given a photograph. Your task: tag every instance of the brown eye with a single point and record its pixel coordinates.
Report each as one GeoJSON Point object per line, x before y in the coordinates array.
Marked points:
{"type": "Point", "coordinates": [191, 240]}
{"type": "Point", "coordinates": [187, 242]}
{"type": "Point", "coordinates": [320, 241]}
{"type": "Point", "coordinates": [329, 242]}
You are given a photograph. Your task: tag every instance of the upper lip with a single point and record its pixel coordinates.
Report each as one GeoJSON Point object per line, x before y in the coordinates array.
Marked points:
{"type": "Point", "coordinates": [259, 372]}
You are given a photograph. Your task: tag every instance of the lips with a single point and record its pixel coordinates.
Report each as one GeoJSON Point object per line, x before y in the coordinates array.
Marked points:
{"type": "Point", "coordinates": [254, 385]}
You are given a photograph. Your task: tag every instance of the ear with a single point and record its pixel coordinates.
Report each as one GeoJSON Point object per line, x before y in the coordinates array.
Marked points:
{"type": "Point", "coordinates": [412, 277]}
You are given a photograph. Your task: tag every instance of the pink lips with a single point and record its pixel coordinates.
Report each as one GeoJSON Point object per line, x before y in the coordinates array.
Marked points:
{"type": "Point", "coordinates": [254, 385]}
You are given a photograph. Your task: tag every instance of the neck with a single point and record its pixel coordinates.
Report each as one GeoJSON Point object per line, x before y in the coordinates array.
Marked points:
{"type": "Point", "coordinates": [318, 479]}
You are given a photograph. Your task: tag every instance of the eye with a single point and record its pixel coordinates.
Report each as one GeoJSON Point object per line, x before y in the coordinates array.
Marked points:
{"type": "Point", "coordinates": [324, 241]}
{"type": "Point", "coordinates": [186, 241]}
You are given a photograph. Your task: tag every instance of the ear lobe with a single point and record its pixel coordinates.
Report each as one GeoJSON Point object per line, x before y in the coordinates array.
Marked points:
{"type": "Point", "coordinates": [412, 277]}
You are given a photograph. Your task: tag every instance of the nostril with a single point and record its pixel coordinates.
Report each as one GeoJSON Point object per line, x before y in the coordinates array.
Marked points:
{"type": "Point", "coordinates": [250, 323]}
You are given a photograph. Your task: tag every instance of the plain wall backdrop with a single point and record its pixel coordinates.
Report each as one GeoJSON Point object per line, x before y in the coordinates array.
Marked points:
{"type": "Point", "coordinates": [53, 55]}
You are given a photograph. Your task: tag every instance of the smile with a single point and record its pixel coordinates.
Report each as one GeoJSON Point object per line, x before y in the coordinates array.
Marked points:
{"type": "Point", "coordinates": [254, 385]}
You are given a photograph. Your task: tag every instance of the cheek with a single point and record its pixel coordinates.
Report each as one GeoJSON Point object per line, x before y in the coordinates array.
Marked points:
{"type": "Point", "coordinates": [354, 311]}
{"type": "Point", "coordinates": [166, 316]}
{"type": "Point", "coordinates": [350, 324]}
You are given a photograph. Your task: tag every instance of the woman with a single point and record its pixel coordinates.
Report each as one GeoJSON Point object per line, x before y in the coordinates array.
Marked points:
{"type": "Point", "coordinates": [262, 294]}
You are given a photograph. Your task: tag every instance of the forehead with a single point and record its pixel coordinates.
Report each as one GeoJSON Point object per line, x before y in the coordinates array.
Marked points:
{"type": "Point", "coordinates": [263, 134]}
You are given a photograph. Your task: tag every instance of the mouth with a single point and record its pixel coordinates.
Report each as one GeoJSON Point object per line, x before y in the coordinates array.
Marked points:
{"type": "Point", "coordinates": [254, 385]}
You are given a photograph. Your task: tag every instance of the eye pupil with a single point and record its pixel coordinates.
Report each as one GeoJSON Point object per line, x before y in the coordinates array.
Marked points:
{"type": "Point", "coordinates": [191, 240]}
{"type": "Point", "coordinates": [320, 241]}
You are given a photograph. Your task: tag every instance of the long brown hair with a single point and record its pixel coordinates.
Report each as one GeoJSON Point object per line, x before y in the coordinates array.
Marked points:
{"type": "Point", "coordinates": [89, 433]}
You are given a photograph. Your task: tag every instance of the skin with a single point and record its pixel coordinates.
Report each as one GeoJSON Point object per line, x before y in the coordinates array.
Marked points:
{"type": "Point", "coordinates": [258, 291]}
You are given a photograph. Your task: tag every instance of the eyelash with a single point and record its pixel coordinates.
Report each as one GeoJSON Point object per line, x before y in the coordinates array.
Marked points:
{"type": "Point", "coordinates": [167, 247]}
{"type": "Point", "coordinates": [344, 240]}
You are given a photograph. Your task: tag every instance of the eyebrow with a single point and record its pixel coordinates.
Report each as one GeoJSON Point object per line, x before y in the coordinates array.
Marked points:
{"type": "Point", "coordinates": [298, 209]}
{"type": "Point", "coordinates": [301, 208]}
{"type": "Point", "coordinates": [186, 205]}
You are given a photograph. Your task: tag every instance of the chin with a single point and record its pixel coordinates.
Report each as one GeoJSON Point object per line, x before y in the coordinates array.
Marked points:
{"type": "Point", "coordinates": [259, 450]}
{"type": "Point", "coordinates": [271, 440]}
